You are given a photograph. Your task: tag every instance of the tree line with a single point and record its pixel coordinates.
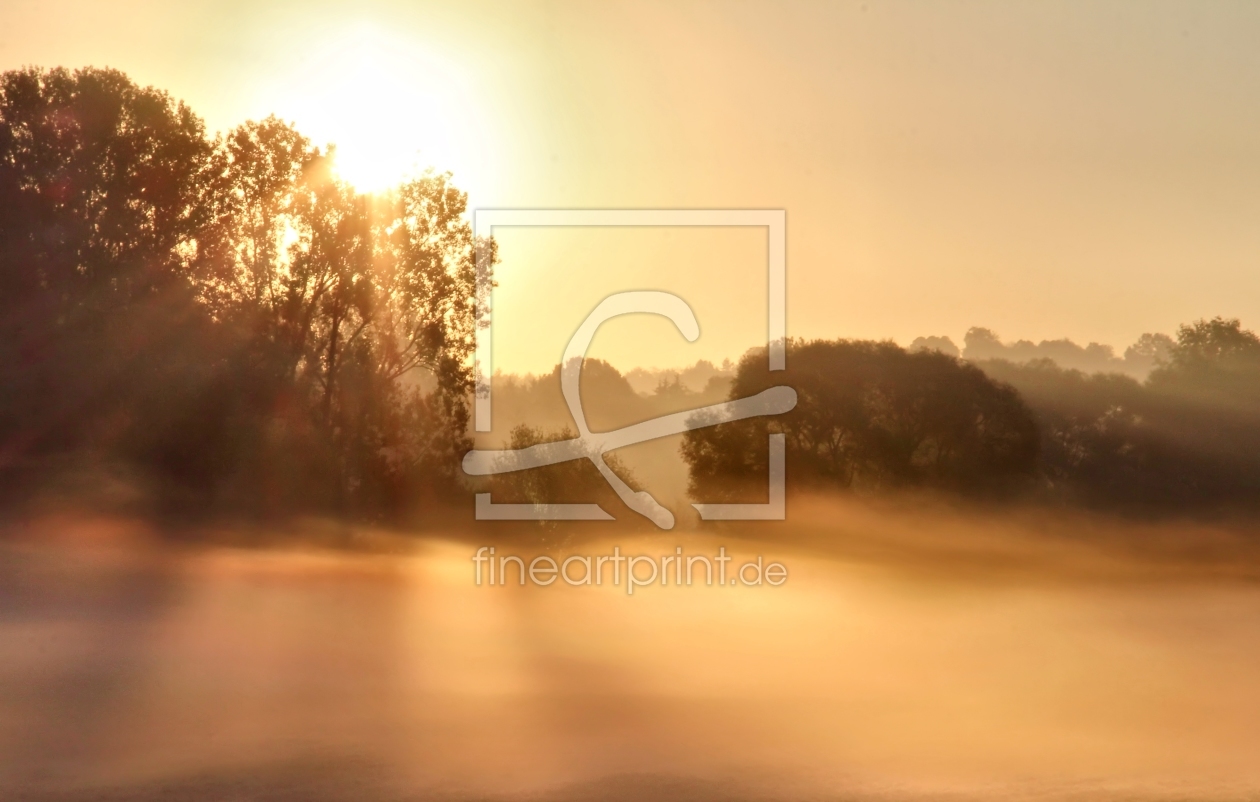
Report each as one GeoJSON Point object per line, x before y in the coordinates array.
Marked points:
{"type": "Point", "coordinates": [222, 315]}
{"type": "Point", "coordinates": [873, 416]}
{"type": "Point", "coordinates": [227, 322]}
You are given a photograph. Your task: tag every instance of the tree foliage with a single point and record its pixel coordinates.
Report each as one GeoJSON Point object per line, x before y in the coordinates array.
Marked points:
{"type": "Point", "coordinates": [1187, 438]}
{"type": "Point", "coordinates": [871, 416]}
{"type": "Point", "coordinates": [224, 313]}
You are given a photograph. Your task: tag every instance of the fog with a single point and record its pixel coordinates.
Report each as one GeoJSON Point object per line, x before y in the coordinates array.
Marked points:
{"type": "Point", "coordinates": [917, 650]}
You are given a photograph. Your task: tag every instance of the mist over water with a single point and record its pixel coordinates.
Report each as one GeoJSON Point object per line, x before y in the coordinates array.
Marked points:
{"type": "Point", "coordinates": [916, 651]}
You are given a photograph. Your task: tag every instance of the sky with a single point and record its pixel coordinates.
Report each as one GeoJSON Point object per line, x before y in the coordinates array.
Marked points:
{"type": "Point", "coordinates": [1082, 170]}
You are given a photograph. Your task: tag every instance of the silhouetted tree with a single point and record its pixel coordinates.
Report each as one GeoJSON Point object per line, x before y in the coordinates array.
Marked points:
{"type": "Point", "coordinates": [99, 224]}
{"type": "Point", "coordinates": [871, 416]}
{"type": "Point", "coordinates": [1094, 436]}
{"type": "Point", "coordinates": [943, 344]}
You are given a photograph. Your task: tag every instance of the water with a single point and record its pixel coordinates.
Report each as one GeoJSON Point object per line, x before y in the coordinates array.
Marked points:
{"type": "Point", "coordinates": [910, 655]}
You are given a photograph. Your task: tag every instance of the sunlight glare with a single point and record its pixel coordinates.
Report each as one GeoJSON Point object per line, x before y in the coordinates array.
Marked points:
{"type": "Point", "coordinates": [390, 109]}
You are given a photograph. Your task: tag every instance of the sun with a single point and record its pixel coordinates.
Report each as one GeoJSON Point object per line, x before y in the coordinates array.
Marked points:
{"type": "Point", "coordinates": [389, 108]}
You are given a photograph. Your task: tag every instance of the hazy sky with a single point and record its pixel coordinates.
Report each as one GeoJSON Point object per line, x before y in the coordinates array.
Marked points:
{"type": "Point", "coordinates": [1089, 170]}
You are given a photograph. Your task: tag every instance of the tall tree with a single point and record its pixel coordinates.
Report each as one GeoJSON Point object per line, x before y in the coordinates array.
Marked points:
{"type": "Point", "coordinates": [99, 216]}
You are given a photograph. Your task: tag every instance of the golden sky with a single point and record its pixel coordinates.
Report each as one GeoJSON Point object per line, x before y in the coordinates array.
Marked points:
{"type": "Point", "coordinates": [1089, 170]}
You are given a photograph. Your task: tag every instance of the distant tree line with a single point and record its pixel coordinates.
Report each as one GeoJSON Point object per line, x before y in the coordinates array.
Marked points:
{"type": "Point", "coordinates": [872, 416]}
{"type": "Point", "coordinates": [980, 344]}
{"type": "Point", "coordinates": [222, 314]}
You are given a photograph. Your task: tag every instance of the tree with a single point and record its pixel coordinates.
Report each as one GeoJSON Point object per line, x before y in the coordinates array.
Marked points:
{"type": "Point", "coordinates": [1149, 352]}
{"type": "Point", "coordinates": [1205, 403]}
{"type": "Point", "coordinates": [99, 221]}
{"type": "Point", "coordinates": [573, 482]}
{"type": "Point", "coordinates": [251, 194]}
{"type": "Point", "coordinates": [1097, 442]}
{"type": "Point", "coordinates": [871, 416]}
